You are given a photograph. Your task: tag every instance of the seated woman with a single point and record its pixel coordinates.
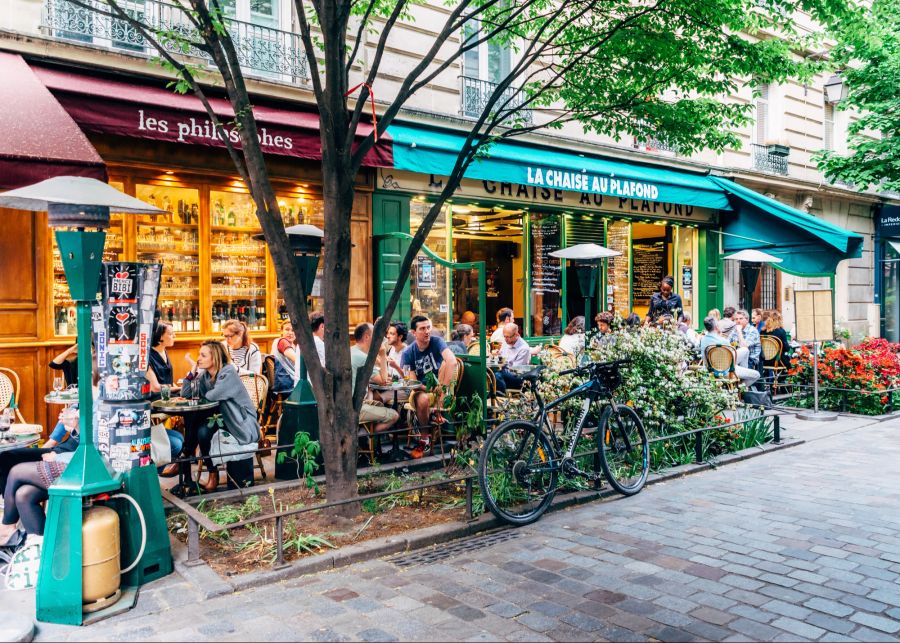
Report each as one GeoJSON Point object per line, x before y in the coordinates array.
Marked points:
{"type": "Point", "coordinates": [460, 338]}
{"type": "Point", "coordinates": [284, 350]}
{"type": "Point", "coordinates": [26, 483]}
{"type": "Point", "coordinates": [215, 378]}
{"type": "Point", "coordinates": [572, 340]}
{"type": "Point", "coordinates": [160, 374]}
{"type": "Point", "coordinates": [67, 363]}
{"type": "Point", "coordinates": [243, 353]}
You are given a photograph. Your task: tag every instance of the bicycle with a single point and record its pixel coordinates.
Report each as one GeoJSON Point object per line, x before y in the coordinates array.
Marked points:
{"type": "Point", "coordinates": [520, 463]}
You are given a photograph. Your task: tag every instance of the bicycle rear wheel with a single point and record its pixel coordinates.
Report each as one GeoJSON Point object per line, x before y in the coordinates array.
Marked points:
{"type": "Point", "coordinates": [516, 472]}
{"type": "Point", "coordinates": [624, 450]}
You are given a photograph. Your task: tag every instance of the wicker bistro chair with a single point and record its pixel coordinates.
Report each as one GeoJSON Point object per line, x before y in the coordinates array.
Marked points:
{"type": "Point", "coordinates": [772, 351]}
{"type": "Point", "coordinates": [272, 406]}
{"type": "Point", "coordinates": [474, 348]}
{"type": "Point", "coordinates": [258, 387]}
{"type": "Point", "coordinates": [720, 360]}
{"type": "Point", "coordinates": [10, 386]}
{"type": "Point", "coordinates": [434, 430]}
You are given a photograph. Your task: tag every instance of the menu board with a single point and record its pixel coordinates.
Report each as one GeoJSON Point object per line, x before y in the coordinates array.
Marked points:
{"type": "Point", "coordinates": [546, 271]}
{"type": "Point", "coordinates": [617, 278]}
{"type": "Point", "coordinates": [648, 268]}
{"type": "Point", "coordinates": [813, 309]}
{"type": "Point", "coordinates": [546, 275]}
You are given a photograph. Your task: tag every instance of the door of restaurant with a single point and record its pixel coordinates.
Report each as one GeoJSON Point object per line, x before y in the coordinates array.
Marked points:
{"type": "Point", "coordinates": [890, 305]}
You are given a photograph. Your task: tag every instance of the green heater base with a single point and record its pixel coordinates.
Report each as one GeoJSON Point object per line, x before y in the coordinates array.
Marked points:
{"type": "Point", "coordinates": [142, 484]}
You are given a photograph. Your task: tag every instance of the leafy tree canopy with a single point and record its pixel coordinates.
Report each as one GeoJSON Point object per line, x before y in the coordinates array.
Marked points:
{"type": "Point", "coordinates": [868, 53]}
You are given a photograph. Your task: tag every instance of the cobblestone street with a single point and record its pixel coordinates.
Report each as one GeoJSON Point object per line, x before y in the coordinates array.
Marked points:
{"type": "Point", "coordinates": [800, 544]}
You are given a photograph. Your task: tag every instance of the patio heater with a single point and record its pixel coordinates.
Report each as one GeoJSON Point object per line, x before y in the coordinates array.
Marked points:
{"type": "Point", "coordinates": [78, 209]}
{"type": "Point", "coordinates": [300, 409]}
{"type": "Point", "coordinates": [586, 258]}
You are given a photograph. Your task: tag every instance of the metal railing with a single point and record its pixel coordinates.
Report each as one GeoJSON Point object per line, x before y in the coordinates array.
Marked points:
{"type": "Point", "coordinates": [840, 400]}
{"type": "Point", "coordinates": [475, 94]}
{"type": "Point", "coordinates": [651, 144]}
{"type": "Point", "coordinates": [767, 162]}
{"type": "Point", "coordinates": [262, 51]}
{"type": "Point", "coordinates": [197, 520]}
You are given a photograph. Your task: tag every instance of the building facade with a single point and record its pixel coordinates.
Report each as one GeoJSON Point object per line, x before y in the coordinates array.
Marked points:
{"type": "Point", "coordinates": [159, 147]}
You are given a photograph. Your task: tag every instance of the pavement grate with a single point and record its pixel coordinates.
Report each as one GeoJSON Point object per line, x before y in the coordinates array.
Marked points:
{"type": "Point", "coordinates": [444, 551]}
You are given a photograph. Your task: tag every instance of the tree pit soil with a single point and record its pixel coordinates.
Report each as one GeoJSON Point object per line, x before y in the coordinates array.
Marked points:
{"type": "Point", "coordinates": [252, 548]}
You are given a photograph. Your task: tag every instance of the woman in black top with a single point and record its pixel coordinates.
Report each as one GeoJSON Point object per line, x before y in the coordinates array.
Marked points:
{"type": "Point", "coordinates": [665, 302]}
{"type": "Point", "coordinates": [160, 372]}
{"type": "Point", "coordinates": [69, 367]}
{"type": "Point", "coordinates": [774, 328]}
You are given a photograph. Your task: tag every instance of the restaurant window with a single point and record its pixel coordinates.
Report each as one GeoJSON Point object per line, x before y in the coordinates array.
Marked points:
{"type": "Point", "coordinates": [429, 290]}
{"type": "Point", "coordinates": [173, 240]}
{"type": "Point", "coordinates": [237, 261]}
{"type": "Point", "coordinates": [650, 262]}
{"type": "Point", "coordinates": [64, 312]}
{"type": "Point", "coordinates": [583, 228]}
{"type": "Point", "coordinates": [298, 207]}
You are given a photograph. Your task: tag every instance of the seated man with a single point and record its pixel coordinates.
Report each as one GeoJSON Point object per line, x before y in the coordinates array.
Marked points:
{"type": "Point", "coordinates": [383, 417]}
{"type": "Point", "coordinates": [514, 352]}
{"type": "Point", "coordinates": [504, 316]}
{"type": "Point", "coordinates": [428, 354]}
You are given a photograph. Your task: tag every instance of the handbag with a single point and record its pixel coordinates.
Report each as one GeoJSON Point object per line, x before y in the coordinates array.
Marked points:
{"type": "Point", "coordinates": [22, 571]}
{"type": "Point", "coordinates": [224, 447]}
{"type": "Point", "coordinates": [160, 446]}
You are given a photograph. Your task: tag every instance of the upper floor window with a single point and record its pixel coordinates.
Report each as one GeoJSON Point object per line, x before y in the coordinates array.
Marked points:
{"type": "Point", "coordinates": [266, 13]}
{"type": "Point", "coordinates": [828, 126]}
{"type": "Point", "coordinates": [761, 128]}
{"type": "Point", "coordinates": [490, 61]}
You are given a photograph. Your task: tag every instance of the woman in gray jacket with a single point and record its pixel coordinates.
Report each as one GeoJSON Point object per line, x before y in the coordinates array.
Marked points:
{"type": "Point", "coordinates": [215, 378]}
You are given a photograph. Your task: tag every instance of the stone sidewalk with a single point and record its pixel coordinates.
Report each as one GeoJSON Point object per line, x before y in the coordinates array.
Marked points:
{"type": "Point", "coordinates": [800, 544]}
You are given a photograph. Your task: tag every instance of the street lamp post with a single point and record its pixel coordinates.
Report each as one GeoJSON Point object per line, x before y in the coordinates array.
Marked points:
{"type": "Point", "coordinates": [300, 409]}
{"type": "Point", "coordinates": [78, 209]}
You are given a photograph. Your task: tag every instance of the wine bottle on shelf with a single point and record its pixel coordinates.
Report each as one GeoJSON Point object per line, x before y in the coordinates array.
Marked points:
{"type": "Point", "coordinates": [262, 317]}
{"type": "Point", "coordinates": [231, 219]}
{"type": "Point", "coordinates": [171, 315]}
{"type": "Point", "coordinates": [62, 323]}
{"type": "Point", "coordinates": [195, 317]}
{"type": "Point", "coordinates": [252, 319]}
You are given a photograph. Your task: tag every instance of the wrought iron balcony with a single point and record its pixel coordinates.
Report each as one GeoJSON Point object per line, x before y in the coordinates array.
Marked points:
{"type": "Point", "coordinates": [475, 94]}
{"type": "Point", "coordinates": [263, 51]}
{"type": "Point", "coordinates": [765, 161]}
{"type": "Point", "coordinates": [652, 144]}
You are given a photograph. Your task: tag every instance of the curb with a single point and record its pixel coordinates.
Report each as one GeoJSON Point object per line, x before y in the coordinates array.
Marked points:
{"type": "Point", "coordinates": [211, 584]}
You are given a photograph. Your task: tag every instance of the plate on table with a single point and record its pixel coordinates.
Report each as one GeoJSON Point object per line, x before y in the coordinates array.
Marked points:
{"type": "Point", "coordinates": [27, 430]}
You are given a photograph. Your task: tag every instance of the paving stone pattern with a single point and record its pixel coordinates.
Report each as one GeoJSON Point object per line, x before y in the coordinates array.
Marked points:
{"type": "Point", "coordinates": [800, 544]}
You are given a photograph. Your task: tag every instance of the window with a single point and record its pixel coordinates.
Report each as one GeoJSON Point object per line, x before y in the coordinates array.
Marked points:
{"type": "Point", "coordinates": [490, 61]}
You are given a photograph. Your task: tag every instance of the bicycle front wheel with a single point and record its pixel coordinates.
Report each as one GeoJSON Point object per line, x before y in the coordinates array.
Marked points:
{"type": "Point", "coordinates": [517, 473]}
{"type": "Point", "coordinates": [624, 450]}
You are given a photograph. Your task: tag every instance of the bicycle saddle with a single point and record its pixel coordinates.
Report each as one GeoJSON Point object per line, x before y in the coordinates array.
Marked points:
{"type": "Point", "coordinates": [534, 374]}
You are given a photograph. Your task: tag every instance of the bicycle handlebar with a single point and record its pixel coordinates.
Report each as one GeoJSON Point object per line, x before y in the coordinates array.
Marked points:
{"type": "Point", "coordinates": [595, 365]}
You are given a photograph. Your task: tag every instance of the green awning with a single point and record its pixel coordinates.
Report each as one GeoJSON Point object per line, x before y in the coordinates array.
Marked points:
{"type": "Point", "coordinates": [808, 245]}
{"type": "Point", "coordinates": [428, 151]}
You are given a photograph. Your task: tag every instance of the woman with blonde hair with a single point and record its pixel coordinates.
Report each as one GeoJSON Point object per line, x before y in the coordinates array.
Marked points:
{"type": "Point", "coordinates": [245, 355]}
{"type": "Point", "coordinates": [775, 328]}
{"type": "Point", "coordinates": [215, 378]}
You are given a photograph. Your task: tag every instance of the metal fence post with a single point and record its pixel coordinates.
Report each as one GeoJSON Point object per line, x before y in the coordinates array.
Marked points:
{"type": "Point", "coordinates": [193, 542]}
{"type": "Point", "coordinates": [698, 447]}
{"type": "Point", "coordinates": [279, 541]}
{"type": "Point", "coordinates": [776, 431]}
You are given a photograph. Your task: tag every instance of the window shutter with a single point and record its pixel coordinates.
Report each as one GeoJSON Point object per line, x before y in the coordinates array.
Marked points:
{"type": "Point", "coordinates": [762, 116]}
{"type": "Point", "coordinates": [828, 129]}
{"type": "Point", "coordinates": [584, 230]}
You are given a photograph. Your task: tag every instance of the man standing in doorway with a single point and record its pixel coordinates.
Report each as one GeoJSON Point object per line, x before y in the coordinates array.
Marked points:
{"type": "Point", "coordinates": [428, 354]}
{"type": "Point", "coordinates": [504, 316]}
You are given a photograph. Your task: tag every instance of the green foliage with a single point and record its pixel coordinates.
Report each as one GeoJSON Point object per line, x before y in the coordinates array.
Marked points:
{"type": "Point", "coordinates": [304, 452]}
{"type": "Point", "coordinates": [216, 421]}
{"type": "Point", "coordinates": [868, 55]}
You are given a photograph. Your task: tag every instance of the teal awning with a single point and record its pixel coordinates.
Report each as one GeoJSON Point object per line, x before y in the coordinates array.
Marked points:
{"type": "Point", "coordinates": [807, 244]}
{"type": "Point", "coordinates": [429, 151]}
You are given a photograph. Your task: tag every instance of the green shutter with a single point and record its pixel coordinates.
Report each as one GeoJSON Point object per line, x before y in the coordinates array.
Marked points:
{"type": "Point", "coordinates": [390, 213]}
{"type": "Point", "coordinates": [710, 286]}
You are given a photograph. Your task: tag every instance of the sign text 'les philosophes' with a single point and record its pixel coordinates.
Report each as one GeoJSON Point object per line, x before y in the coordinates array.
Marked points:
{"type": "Point", "coordinates": [190, 128]}
{"type": "Point", "coordinates": [584, 182]}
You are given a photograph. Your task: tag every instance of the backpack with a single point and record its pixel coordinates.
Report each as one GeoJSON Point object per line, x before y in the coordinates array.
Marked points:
{"type": "Point", "coordinates": [284, 376]}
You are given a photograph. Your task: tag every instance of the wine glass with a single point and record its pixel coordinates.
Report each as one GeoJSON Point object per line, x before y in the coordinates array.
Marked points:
{"type": "Point", "coordinates": [57, 383]}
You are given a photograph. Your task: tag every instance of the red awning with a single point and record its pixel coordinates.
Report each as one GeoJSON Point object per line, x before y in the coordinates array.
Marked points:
{"type": "Point", "coordinates": [108, 106]}
{"type": "Point", "coordinates": [38, 139]}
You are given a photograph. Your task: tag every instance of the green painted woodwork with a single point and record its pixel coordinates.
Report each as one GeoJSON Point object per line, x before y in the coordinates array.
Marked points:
{"type": "Point", "coordinates": [390, 214]}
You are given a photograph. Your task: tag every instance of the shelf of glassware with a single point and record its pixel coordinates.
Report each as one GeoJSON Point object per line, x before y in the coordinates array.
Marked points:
{"type": "Point", "coordinates": [237, 261]}
{"type": "Point", "coordinates": [64, 315]}
{"type": "Point", "coordinates": [173, 240]}
{"type": "Point", "coordinates": [297, 208]}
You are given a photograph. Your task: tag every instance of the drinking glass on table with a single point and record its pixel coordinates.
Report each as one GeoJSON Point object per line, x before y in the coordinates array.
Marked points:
{"type": "Point", "coordinates": [165, 392]}
{"type": "Point", "coordinates": [407, 374]}
{"type": "Point", "coordinates": [5, 416]}
{"type": "Point", "coordinates": [57, 383]}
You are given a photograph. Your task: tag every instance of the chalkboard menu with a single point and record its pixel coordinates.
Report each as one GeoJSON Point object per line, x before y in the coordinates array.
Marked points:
{"type": "Point", "coordinates": [546, 271]}
{"type": "Point", "coordinates": [546, 275]}
{"type": "Point", "coordinates": [648, 268]}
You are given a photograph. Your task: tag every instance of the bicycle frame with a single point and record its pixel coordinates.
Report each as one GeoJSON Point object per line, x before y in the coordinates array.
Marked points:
{"type": "Point", "coordinates": [592, 391]}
